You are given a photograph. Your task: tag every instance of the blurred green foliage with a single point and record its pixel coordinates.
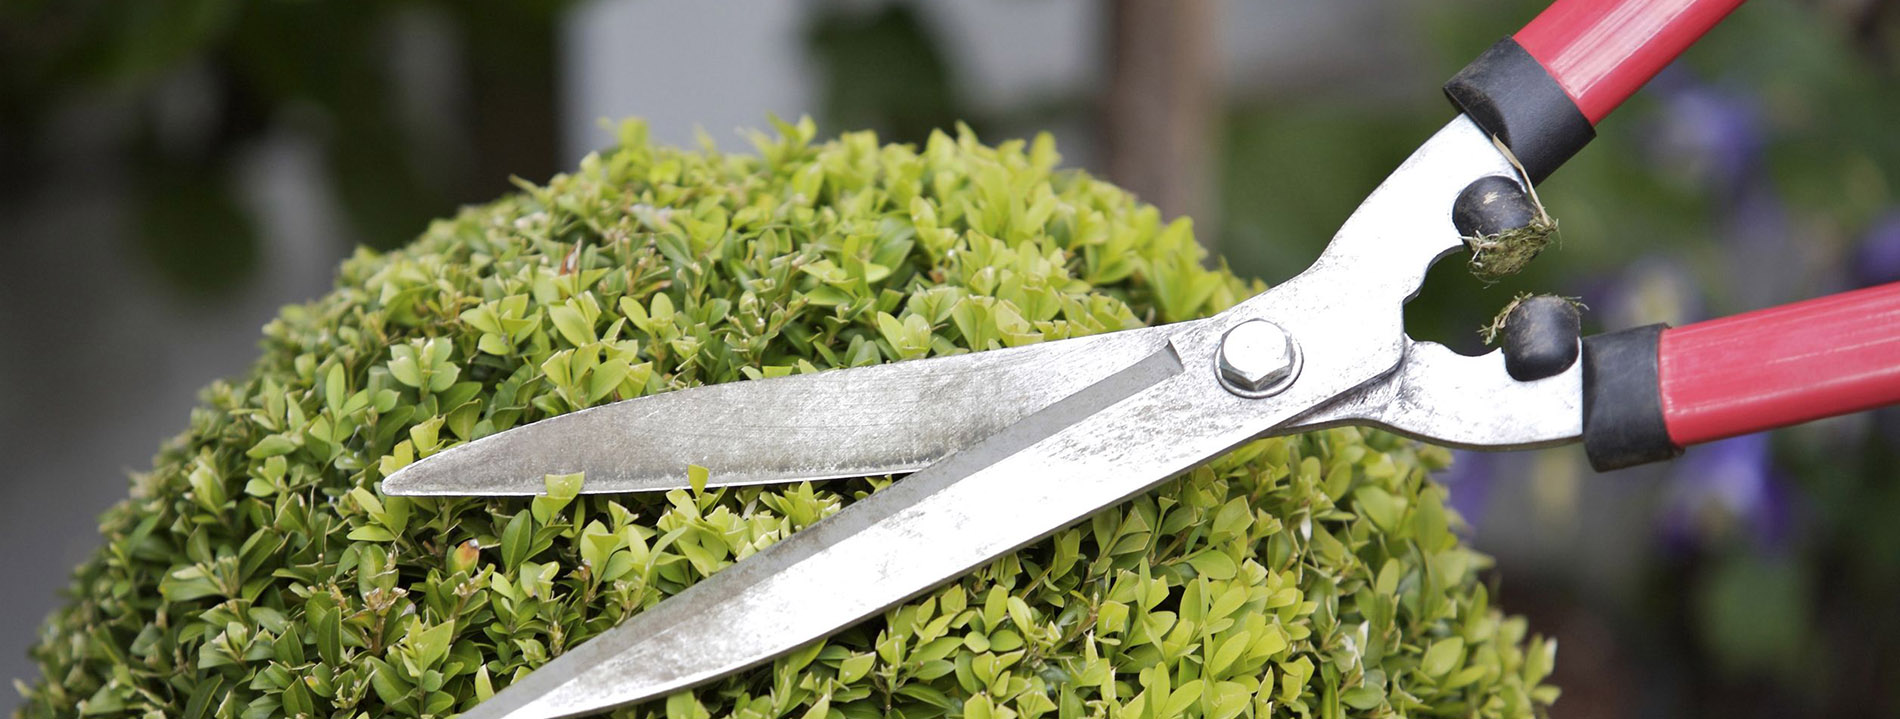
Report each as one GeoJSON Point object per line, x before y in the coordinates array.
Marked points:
{"type": "Point", "coordinates": [186, 88]}
{"type": "Point", "coordinates": [882, 71]}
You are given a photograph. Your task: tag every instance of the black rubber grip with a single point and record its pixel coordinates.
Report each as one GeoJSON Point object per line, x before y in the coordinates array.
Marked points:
{"type": "Point", "coordinates": [1509, 94]}
{"type": "Point", "coordinates": [1623, 423]}
{"type": "Point", "coordinates": [1491, 205]}
{"type": "Point", "coordinates": [1540, 338]}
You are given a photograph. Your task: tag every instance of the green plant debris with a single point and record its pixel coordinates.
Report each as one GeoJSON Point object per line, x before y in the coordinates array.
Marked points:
{"type": "Point", "coordinates": [255, 571]}
{"type": "Point", "coordinates": [1495, 257]}
{"type": "Point", "coordinates": [1493, 331]}
{"type": "Point", "coordinates": [1500, 255]}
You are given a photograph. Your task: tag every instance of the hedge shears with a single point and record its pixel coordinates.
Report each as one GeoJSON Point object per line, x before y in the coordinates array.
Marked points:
{"type": "Point", "coordinates": [1067, 428]}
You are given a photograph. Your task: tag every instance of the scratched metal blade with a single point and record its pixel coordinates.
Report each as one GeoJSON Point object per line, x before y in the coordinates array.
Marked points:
{"type": "Point", "coordinates": [1098, 446]}
{"type": "Point", "coordinates": [1446, 398]}
{"type": "Point", "coordinates": [885, 419]}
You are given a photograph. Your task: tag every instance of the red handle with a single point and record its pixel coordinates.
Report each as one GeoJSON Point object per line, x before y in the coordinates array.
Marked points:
{"type": "Point", "coordinates": [1542, 91]}
{"type": "Point", "coordinates": [1780, 366]}
{"type": "Point", "coordinates": [1602, 51]}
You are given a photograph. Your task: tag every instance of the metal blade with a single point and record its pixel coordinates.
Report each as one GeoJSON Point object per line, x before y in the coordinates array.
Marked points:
{"type": "Point", "coordinates": [885, 419]}
{"type": "Point", "coordinates": [1118, 437]}
{"type": "Point", "coordinates": [1446, 398]}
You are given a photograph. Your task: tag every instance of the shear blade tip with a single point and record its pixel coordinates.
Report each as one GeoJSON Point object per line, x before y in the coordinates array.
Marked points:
{"type": "Point", "coordinates": [410, 481]}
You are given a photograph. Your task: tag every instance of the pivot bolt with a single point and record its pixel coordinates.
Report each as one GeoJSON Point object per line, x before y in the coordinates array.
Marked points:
{"type": "Point", "coordinates": [1257, 359]}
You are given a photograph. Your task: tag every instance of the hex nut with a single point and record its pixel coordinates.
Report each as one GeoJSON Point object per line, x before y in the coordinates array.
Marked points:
{"type": "Point", "coordinates": [1257, 358]}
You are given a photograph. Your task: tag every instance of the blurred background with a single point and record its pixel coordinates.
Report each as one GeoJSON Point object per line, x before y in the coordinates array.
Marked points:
{"type": "Point", "coordinates": [173, 171]}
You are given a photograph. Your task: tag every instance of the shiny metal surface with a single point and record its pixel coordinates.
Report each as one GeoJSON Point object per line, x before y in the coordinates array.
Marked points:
{"type": "Point", "coordinates": [1443, 397]}
{"type": "Point", "coordinates": [1145, 419]}
{"type": "Point", "coordinates": [1257, 358]}
{"type": "Point", "coordinates": [884, 419]}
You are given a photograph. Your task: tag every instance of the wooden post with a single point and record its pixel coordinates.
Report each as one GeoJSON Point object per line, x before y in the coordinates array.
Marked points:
{"type": "Point", "coordinates": [1163, 106]}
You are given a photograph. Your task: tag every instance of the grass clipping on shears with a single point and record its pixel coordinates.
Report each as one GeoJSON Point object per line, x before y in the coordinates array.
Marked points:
{"type": "Point", "coordinates": [1497, 256]}
{"type": "Point", "coordinates": [1493, 332]}
{"type": "Point", "coordinates": [256, 571]}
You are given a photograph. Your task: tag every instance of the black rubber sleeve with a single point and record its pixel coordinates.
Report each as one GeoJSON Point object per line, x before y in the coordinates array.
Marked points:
{"type": "Point", "coordinates": [1540, 338]}
{"type": "Point", "coordinates": [1491, 205]}
{"type": "Point", "coordinates": [1623, 423]}
{"type": "Point", "coordinates": [1509, 94]}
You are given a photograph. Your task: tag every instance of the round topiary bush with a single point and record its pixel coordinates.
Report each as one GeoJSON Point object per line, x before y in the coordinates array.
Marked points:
{"type": "Point", "coordinates": [255, 571]}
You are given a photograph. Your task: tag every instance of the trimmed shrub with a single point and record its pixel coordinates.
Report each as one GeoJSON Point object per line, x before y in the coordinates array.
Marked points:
{"type": "Point", "coordinates": [255, 571]}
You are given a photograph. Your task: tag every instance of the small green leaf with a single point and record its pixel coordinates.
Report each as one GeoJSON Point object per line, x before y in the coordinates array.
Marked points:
{"type": "Point", "coordinates": [371, 533]}
{"type": "Point", "coordinates": [1214, 564]}
{"type": "Point", "coordinates": [430, 644]}
{"type": "Point", "coordinates": [516, 541]}
{"type": "Point", "coordinates": [272, 446]}
{"type": "Point", "coordinates": [327, 626]}
{"type": "Point", "coordinates": [559, 491]}
{"type": "Point", "coordinates": [1362, 697]}
{"type": "Point", "coordinates": [1379, 506]}
{"type": "Point", "coordinates": [855, 667]}
{"type": "Point", "coordinates": [1443, 656]}
{"type": "Point", "coordinates": [572, 325]}
{"type": "Point", "coordinates": [335, 388]}
{"type": "Point", "coordinates": [297, 700]}
{"type": "Point", "coordinates": [683, 705]}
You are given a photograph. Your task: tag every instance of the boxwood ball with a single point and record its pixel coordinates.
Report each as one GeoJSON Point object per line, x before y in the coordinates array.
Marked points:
{"type": "Point", "coordinates": [256, 571]}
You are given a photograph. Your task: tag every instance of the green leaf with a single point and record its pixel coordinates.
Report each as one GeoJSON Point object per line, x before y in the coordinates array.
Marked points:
{"type": "Point", "coordinates": [272, 446]}
{"type": "Point", "coordinates": [855, 667]}
{"type": "Point", "coordinates": [1214, 564]}
{"type": "Point", "coordinates": [371, 533]}
{"type": "Point", "coordinates": [1379, 506]}
{"type": "Point", "coordinates": [404, 367]}
{"type": "Point", "coordinates": [431, 644]}
{"type": "Point", "coordinates": [297, 700]}
{"type": "Point", "coordinates": [559, 491]}
{"type": "Point", "coordinates": [187, 584]}
{"type": "Point", "coordinates": [572, 325]}
{"type": "Point", "coordinates": [1362, 698]}
{"type": "Point", "coordinates": [390, 687]}
{"type": "Point", "coordinates": [327, 626]}
{"type": "Point", "coordinates": [516, 541]}
{"type": "Point", "coordinates": [335, 388]}
{"type": "Point", "coordinates": [683, 705]}
{"type": "Point", "coordinates": [1443, 656]}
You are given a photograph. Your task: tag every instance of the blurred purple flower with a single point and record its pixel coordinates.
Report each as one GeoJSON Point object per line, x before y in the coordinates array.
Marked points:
{"type": "Point", "coordinates": [1469, 480]}
{"type": "Point", "coordinates": [1653, 288]}
{"type": "Point", "coordinates": [1877, 261]}
{"type": "Point", "coordinates": [1726, 487]}
{"type": "Point", "coordinates": [1712, 135]}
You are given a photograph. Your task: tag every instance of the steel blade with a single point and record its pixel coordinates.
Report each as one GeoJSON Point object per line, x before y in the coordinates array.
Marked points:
{"type": "Point", "coordinates": [1446, 398]}
{"type": "Point", "coordinates": [884, 419]}
{"type": "Point", "coordinates": [1078, 455]}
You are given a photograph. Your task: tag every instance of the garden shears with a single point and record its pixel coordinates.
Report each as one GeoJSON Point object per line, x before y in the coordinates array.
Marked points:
{"type": "Point", "coordinates": [1067, 428]}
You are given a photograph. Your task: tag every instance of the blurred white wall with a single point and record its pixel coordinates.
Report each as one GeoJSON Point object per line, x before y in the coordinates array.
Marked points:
{"type": "Point", "coordinates": [683, 66]}
{"type": "Point", "coordinates": [721, 66]}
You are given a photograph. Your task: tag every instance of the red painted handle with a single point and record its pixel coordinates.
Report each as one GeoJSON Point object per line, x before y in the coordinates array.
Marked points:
{"type": "Point", "coordinates": [1602, 51]}
{"type": "Point", "coordinates": [1780, 366]}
